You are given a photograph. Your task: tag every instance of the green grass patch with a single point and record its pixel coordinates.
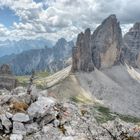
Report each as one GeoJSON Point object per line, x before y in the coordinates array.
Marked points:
{"type": "Point", "coordinates": [42, 74]}
{"type": "Point", "coordinates": [24, 80]}
{"type": "Point", "coordinates": [128, 118]}
{"type": "Point", "coordinates": [81, 99]}
{"type": "Point", "coordinates": [103, 114]}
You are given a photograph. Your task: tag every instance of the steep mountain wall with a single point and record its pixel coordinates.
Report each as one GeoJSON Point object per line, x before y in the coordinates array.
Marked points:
{"type": "Point", "coordinates": [101, 49]}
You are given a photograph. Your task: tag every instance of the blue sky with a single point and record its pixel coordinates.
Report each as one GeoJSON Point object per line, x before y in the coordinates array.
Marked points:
{"type": "Point", "coordinates": [54, 19]}
{"type": "Point", "coordinates": [8, 17]}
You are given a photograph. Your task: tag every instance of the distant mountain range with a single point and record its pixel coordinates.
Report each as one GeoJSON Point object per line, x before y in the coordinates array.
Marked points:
{"type": "Point", "coordinates": [9, 47]}
{"type": "Point", "coordinates": [49, 58]}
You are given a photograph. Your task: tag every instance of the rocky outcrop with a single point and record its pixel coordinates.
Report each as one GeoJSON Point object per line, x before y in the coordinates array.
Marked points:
{"type": "Point", "coordinates": [7, 80]}
{"type": "Point", "coordinates": [47, 118]}
{"type": "Point", "coordinates": [101, 49]}
{"type": "Point", "coordinates": [131, 46]}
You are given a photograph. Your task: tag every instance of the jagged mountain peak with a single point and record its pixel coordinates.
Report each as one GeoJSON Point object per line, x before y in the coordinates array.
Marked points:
{"type": "Point", "coordinates": [136, 27]}
{"type": "Point", "coordinates": [87, 31]}
{"type": "Point", "coordinates": [60, 43]}
{"type": "Point", "coordinates": [61, 40]}
{"type": "Point", "coordinates": [110, 19]}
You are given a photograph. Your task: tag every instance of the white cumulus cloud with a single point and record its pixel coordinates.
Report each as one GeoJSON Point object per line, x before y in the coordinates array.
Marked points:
{"type": "Point", "coordinates": [66, 18]}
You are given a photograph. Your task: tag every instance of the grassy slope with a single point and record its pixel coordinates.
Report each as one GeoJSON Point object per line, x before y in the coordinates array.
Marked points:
{"type": "Point", "coordinates": [23, 80]}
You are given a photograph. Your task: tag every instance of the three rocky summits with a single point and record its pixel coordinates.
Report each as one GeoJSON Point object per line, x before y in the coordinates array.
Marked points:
{"type": "Point", "coordinates": [37, 116]}
{"type": "Point", "coordinates": [106, 47]}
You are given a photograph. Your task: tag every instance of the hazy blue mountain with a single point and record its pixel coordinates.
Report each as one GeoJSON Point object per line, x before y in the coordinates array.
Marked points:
{"type": "Point", "coordinates": [48, 58]}
{"type": "Point", "coordinates": [9, 47]}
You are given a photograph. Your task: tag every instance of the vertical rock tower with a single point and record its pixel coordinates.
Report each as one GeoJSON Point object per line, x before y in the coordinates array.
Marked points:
{"type": "Point", "coordinates": [101, 49]}
{"type": "Point", "coordinates": [82, 53]}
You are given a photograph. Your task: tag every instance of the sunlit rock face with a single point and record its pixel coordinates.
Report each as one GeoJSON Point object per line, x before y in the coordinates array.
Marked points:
{"type": "Point", "coordinates": [7, 80]}
{"type": "Point", "coordinates": [106, 43]}
{"type": "Point", "coordinates": [131, 47]}
{"type": "Point", "coordinates": [101, 49]}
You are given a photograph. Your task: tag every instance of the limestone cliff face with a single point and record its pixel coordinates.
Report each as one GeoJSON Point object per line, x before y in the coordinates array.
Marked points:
{"type": "Point", "coordinates": [82, 54]}
{"type": "Point", "coordinates": [106, 43]}
{"type": "Point", "coordinates": [131, 47]}
{"type": "Point", "coordinates": [101, 49]}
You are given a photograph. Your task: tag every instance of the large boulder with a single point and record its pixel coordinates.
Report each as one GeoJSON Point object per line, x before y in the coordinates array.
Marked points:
{"type": "Point", "coordinates": [41, 107]}
{"type": "Point", "coordinates": [20, 117]}
{"type": "Point", "coordinates": [7, 80]}
{"type": "Point", "coordinates": [6, 122]}
{"type": "Point", "coordinates": [101, 49]}
{"type": "Point", "coordinates": [19, 128]}
{"type": "Point", "coordinates": [32, 128]}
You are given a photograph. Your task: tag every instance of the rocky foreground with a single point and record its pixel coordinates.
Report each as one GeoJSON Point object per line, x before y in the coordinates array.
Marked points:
{"type": "Point", "coordinates": [37, 116]}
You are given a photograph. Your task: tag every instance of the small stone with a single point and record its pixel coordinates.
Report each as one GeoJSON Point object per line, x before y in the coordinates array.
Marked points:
{"type": "Point", "coordinates": [16, 137]}
{"type": "Point", "coordinates": [43, 93]}
{"type": "Point", "coordinates": [34, 93]}
{"type": "Point", "coordinates": [32, 128]}
{"type": "Point", "coordinates": [4, 99]}
{"type": "Point", "coordinates": [24, 97]}
{"type": "Point", "coordinates": [18, 90]}
{"type": "Point", "coordinates": [18, 128]}
{"type": "Point", "coordinates": [45, 120]}
{"type": "Point", "coordinates": [56, 123]}
{"type": "Point", "coordinates": [5, 122]}
{"type": "Point", "coordinates": [21, 97]}
{"type": "Point", "coordinates": [9, 115]}
{"type": "Point", "coordinates": [21, 117]}
{"type": "Point", "coordinates": [4, 92]}
{"type": "Point", "coordinates": [68, 138]}
{"type": "Point", "coordinates": [37, 136]}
